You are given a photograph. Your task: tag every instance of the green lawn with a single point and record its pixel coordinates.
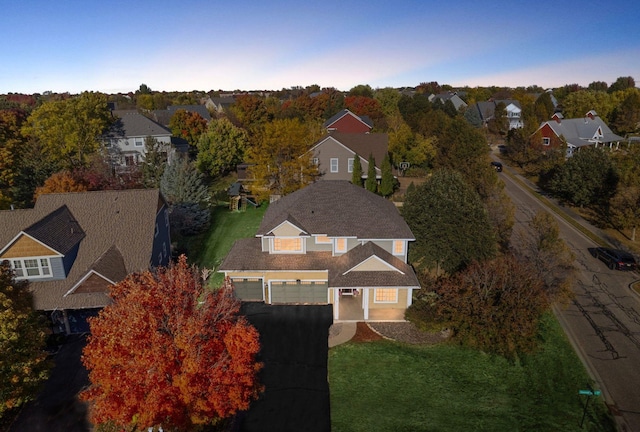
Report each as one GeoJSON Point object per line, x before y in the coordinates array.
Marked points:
{"type": "Point", "coordinates": [387, 386]}
{"type": "Point", "coordinates": [209, 249]}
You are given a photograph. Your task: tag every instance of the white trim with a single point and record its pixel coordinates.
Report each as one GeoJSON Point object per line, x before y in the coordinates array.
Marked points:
{"type": "Point", "coordinates": [337, 165]}
{"type": "Point", "coordinates": [289, 223]}
{"type": "Point", "coordinates": [316, 236]}
{"type": "Point", "coordinates": [393, 248]}
{"type": "Point", "coordinates": [373, 257]}
{"type": "Point", "coordinates": [23, 267]}
{"type": "Point", "coordinates": [84, 278]}
{"type": "Point", "coordinates": [385, 302]}
{"type": "Point", "coordinates": [350, 162]}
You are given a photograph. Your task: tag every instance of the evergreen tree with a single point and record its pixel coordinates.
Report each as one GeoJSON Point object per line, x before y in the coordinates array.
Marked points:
{"type": "Point", "coordinates": [371, 183]}
{"type": "Point", "coordinates": [154, 164]}
{"type": "Point", "coordinates": [356, 176]}
{"type": "Point", "coordinates": [388, 181]}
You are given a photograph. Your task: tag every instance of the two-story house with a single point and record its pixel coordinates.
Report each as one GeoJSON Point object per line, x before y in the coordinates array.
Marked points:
{"type": "Point", "coordinates": [590, 130]}
{"type": "Point", "coordinates": [347, 122]}
{"type": "Point", "coordinates": [72, 247]}
{"type": "Point", "coordinates": [334, 154]}
{"type": "Point", "coordinates": [125, 141]}
{"type": "Point", "coordinates": [329, 243]}
{"type": "Point", "coordinates": [456, 100]}
{"type": "Point", "coordinates": [512, 111]}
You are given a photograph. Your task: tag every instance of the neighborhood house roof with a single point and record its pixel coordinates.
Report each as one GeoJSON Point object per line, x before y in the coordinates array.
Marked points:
{"type": "Point", "coordinates": [338, 208]}
{"type": "Point", "coordinates": [133, 124]}
{"type": "Point", "coordinates": [579, 132]}
{"type": "Point", "coordinates": [364, 119]}
{"type": "Point", "coordinates": [376, 144]}
{"type": "Point", "coordinates": [114, 229]}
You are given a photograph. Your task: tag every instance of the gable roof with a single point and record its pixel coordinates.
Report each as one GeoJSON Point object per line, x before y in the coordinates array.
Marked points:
{"type": "Point", "coordinates": [59, 230]}
{"type": "Point", "coordinates": [345, 112]}
{"type": "Point", "coordinates": [337, 208]}
{"type": "Point", "coordinates": [376, 144]}
{"type": "Point", "coordinates": [118, 228]}
{"type": "Point", "coordinates": [130, 123]}
{"type": "Point", "coordinates": [580, 132]}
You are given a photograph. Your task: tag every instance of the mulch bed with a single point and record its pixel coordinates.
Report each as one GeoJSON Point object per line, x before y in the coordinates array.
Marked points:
{"type": "Point", "coordinates": [405, 332]}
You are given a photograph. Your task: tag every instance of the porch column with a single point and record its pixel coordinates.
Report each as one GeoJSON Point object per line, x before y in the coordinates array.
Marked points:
{"type": "Point", "coordinates": [365, 303]}
{"type": "Point", "coordinates": [336, 303]}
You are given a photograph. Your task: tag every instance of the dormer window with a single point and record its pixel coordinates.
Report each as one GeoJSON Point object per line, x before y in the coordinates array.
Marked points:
{"type": "Point", "coordinates": [340, 245]}
{"type": "Point", "coordinates": [31, 268]}
{"type": "Point", "coordinates": [287, 245]}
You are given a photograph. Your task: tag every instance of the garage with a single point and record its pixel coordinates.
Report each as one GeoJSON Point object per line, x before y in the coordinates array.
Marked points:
{"type": "Point", "coordinates": [248, 289]}
{"type": "Point", "coordinates": [299, 292]}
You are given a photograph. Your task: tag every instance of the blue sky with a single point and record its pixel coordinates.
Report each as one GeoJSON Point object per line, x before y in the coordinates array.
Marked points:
{"type": "Point", "coordinates": [71, 45]}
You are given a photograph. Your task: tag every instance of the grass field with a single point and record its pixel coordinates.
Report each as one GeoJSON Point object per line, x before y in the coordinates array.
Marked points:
{"type": "Point", "coordinates": [387, 386]}
{"type": "Point", "coordinates": [209, 249]}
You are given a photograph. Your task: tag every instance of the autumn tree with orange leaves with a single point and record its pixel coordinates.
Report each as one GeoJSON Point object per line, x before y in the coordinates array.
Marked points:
{"type": "Point", "coordinates": [168, 352]}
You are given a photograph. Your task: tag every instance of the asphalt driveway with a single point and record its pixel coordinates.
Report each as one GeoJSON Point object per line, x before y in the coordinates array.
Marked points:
{"type": "Point", "coordinates": [57, 408]}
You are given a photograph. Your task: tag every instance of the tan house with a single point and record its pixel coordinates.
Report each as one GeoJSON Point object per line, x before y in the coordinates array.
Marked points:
{"type": "Point", "coordinates": [329, 243]}
{"type": "Point", "coordinates": [72, 247]}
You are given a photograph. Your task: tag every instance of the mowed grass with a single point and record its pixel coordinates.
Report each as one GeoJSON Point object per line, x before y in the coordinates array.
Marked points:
{"type": "Point", "coordinates": [388, 386]}
{"type": "Point", "coordinates": [210, 248]}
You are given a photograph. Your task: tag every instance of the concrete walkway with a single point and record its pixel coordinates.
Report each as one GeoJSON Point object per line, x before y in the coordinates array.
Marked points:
{"type": "Point", "coordinates": [340, 333]}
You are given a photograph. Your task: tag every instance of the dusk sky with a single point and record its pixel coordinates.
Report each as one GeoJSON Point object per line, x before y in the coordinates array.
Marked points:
{"type": "Point", "coordinates": [114, 46]}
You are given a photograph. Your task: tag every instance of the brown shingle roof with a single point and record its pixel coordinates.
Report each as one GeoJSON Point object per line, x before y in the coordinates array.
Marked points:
{"type": "Point", "coordinates": [121, 219]}
{"type": "Point", "coordinates": [338, 208]}
{"type": "Point", "coordinates": [376, 144]}
{"type": "Point", "coordinates": [246, 255]}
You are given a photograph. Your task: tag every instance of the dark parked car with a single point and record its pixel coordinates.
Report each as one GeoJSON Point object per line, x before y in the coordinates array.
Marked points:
{"type": "Point", "coordinates": [497, 166]}
{"type": "Point", "coordinates": [615, 258]}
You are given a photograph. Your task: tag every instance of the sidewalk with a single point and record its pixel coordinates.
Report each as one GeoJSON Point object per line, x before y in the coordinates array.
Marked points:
{"type": "Point", "coordinates": [340, 333]}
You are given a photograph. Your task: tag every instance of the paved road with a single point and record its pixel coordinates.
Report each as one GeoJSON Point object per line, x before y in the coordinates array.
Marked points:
{"type": "Point", "coordinates": [603, 322]}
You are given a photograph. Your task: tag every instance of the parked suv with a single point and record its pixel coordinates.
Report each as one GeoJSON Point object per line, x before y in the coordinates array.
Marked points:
{"type": "Point", "coordinates": [615, 258]}
{"type": "Point", "coordinates": [497, 166]}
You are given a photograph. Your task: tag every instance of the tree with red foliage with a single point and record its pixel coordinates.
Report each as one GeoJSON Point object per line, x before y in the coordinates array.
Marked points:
{"type": "Point", "coordinates": [365, 106]}
{"type": "Point", "coordinates": [188, 125]}
{"type": "Point", "coordinates": [169, 352]}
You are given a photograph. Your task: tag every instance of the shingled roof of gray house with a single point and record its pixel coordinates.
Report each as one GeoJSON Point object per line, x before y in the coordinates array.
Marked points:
{"type": "Point", "coordinates": [338, 208]}
{"type": "Point", "coordinates": [113, 228]}
{"type": "Point", "coordinates": [130, 123]}
{"type": "Point", "coordinates": [580, 132]}
{"type": "Point", "coordinates": [364, 145]}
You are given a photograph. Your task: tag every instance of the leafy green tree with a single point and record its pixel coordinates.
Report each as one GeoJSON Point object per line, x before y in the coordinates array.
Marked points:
{"type": "Point", "coordinates": [407, 146]}
{"type": "Point", "coordinates": [155, 162]}
{"type": "Point", "coordinates": [33, 168]}
{"type": "Point", "coordinates": [388, 181]}
{"type": "Point", "coordinates": [622, 83]}
{"type": "Point", "coordinates": [598, 86]}
{"type": "Point", "coordinates": [69, 130]}
{"type": "Point", "coordinates": [388, 99]}
{"type": "Point", "coordinates": [363, 90]}
{"type": "Point", "coordinates": [501, 213]}
{"type": "Point", "coordinates": [578, 104]}
{"type": "Point", "coordinates": [23, 363]}
{"type": "Point", "coordinates": [626, 116]}
{"type": "Point", "coordinates": [371, 183]}
{"type": "Point", "coordinates": [450, 223]}
{"type": "Point", "coordinates": [356, 176]}
{"type": "Point", "coordinates": [221, 147]}
{"type": "Point", "coordinates": [184, 188]}
{"type": "Point", "coordinates": [499, 124]}
{"type": "Point", "coordinates": [472, 116]}
{"type": "Point", "coordinates": [11, 146]}
{"type": "Point", "coordinates": [280, 158]}
{"type": "Point", "coordinates": [543, 108]}
{"type": "Point", "coordinates": [587, 178]}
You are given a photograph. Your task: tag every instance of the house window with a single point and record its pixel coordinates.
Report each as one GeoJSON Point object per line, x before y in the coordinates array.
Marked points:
{"type": "Point", "coordinates": [350, 165]}
{"type": "Point", "coordinates": [341, 245]}
{"type": "Point", "coordinates": [546, 141]}
{"type": "Point", "coordinates": [130, 160]}
{"type": "Point", "coordinates": [31, 268]}
{"type": "Point", "coordinates": [334, 165]}
{"type": "Point", "coordinates": [322, 239]}
{"type": "Point", "coordinates": [385, 295]}
{"type": "Point", "coordinates": [398, 247]}
{"type": "Point", "coordinates": [139, 142]}
{"type": "Point", "coordinates": [287, 244]}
